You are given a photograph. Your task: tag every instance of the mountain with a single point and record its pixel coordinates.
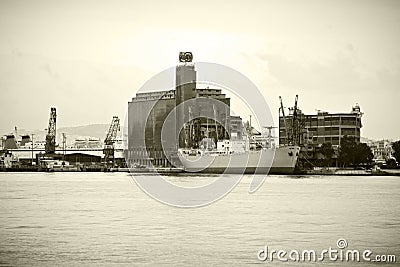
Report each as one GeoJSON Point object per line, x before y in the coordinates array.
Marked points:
{"type": "Point", "coordinates": [97, 131]}
{"type": "Point", "coordinates": [93, 130]}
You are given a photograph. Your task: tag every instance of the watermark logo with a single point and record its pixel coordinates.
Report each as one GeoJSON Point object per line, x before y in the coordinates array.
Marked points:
{"type": "Point", "coordinates": [162, 110]}
{"type": "Point", "coordinates": [341, 243]}
{"type": "Point", "coordinates": [342, 254]}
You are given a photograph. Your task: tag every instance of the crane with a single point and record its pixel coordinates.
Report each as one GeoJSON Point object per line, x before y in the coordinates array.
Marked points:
{"type": "Point", "coordinates": [284, 120]}
{"type": "Point", "coordinates": [295, 123]}
{"type": "Point", "coordinates": [110, 139]}
{"type": "Point", "coordinates": [50, 147]}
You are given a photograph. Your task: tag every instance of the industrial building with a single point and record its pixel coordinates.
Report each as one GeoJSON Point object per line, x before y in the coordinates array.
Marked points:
{"type": "Point", "coordinates": [311, 131]}
{"type": "Point", "coordinates": [148, 111]}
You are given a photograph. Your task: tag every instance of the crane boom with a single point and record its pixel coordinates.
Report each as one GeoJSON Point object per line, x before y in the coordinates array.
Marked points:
{"type": "Point", "coordinates": [112, 131]}
{"type": "Point", "coordinates": [284, 119]}
{"type": "Point", "coordinates": [50, 147]}
{"type": "Point", "coordinates": [295, 126]}
{"type": "Point", "coordinates": [110, 139]}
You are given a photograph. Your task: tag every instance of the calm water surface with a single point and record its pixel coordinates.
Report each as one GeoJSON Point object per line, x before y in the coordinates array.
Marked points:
{"type": "Point", "coordinates": [49, 219]}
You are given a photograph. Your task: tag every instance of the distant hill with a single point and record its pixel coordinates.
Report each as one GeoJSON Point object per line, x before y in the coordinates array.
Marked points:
{"type": "Point", "coordinates": [92, 130]}
{"type": "Point", "coordinates": [98, 131]}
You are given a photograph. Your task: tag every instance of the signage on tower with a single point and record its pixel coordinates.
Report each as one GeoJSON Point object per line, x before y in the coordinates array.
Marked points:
{"type": "Point", "coordinates": [185, 56]}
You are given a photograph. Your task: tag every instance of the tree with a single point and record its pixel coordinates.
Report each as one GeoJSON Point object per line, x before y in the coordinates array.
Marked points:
{"type": "Point", "coordinates": [346, 151]}
{"type": "Point", "coordinates": [396, 149]}
{"type": "Point", "coordinates": [391, 163]}
{"type": "Point", "coordinates": [354, 153]}
{"type": "Point", "coordinates": [327, 151]}
{"type": "Point", "coordinates": [363, 154]}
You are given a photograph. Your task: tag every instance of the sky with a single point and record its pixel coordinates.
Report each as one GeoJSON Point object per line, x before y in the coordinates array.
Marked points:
{"type": "Point", "coordinates": [88, 58]}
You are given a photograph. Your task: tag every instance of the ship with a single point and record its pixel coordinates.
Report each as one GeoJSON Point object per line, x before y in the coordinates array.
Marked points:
{"type": "Point", "coordinates": [227, 158]}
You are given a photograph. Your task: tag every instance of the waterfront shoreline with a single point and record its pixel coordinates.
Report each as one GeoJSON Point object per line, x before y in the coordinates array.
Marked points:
{"type": "Point", "coordinates": [340, 172]}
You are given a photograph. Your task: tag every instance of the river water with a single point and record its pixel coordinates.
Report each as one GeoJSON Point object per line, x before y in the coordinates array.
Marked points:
{"type": "Point", "coordinates": [85, 219]}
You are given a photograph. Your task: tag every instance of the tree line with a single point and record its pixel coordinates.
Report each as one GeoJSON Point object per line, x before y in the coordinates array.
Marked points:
{"type": "Point", "coordinates": [353, 153]}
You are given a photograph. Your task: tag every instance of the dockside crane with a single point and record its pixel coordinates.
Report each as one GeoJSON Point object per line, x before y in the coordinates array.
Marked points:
{"type": "Point", "coordinates": [50, 146]}
{"type": "Point", "coordinates": [284, 120]}
{"type": "Point", "coordinates": [296, 129]}
{"type": "Point", "coordinates": [295, 123]}
{"type": "Point", "coordinates": [110, 139]}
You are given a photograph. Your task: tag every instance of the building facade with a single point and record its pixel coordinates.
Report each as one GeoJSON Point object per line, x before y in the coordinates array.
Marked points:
{"type": "Point", "coordinates": [382, 150]}
{"type": "Point", "coordinates": [199, 117]}
{"type": "Point", "coordinates": [311, 131]}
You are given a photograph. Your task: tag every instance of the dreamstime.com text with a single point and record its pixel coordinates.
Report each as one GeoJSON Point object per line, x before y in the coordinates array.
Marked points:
{"type": "Point", "coordinates": [341, 253]}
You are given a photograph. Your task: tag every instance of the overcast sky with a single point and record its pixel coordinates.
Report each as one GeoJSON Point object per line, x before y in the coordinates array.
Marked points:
{"type": "Point", "coordinates": [88, 58]}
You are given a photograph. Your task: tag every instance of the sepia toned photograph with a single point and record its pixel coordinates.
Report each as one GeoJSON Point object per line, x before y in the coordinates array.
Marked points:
{"type": "Point", "coordinates": [199, 133]}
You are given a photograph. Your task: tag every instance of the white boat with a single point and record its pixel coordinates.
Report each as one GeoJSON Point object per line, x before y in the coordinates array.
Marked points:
{"type": "Point", "coordinates": [280, 160]}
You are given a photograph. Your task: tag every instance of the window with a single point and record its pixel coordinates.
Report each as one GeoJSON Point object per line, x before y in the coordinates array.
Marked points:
{"type": "Point", "coordinates": [314, 123]}
{"type": "Point", "coordinates": [335, 140]}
